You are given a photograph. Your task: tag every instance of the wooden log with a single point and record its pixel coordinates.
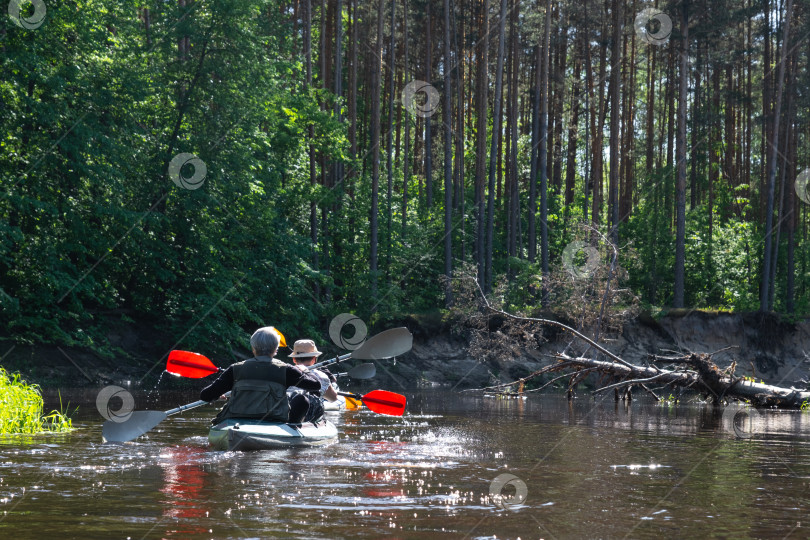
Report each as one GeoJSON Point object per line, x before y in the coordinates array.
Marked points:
{"type": "Point", "coordinates": [703, 374]}
{"type": "Point", "coordinates": [696, 371]}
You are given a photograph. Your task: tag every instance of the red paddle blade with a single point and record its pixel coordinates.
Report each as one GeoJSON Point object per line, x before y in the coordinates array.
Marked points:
{"type": "Point", "coordinates": [189, 364]}
{"type": "Point", "coordinates": [385, 402]}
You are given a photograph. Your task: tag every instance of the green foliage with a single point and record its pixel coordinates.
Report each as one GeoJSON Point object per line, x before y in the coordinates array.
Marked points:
{"type": "Point", "coordinates": [96, 104]}
{"type": "Point", "coordinates": [525, 290]}
{"type": "Point", "coordinates": [94, 223]}
{"type": "Point", "coordinates": [22, 408]}
{"type": "Point", "coordinates": [721, 256]}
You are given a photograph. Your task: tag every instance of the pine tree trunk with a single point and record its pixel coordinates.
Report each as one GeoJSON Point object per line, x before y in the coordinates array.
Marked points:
{"type": "Point", "coordinates": [767, 98]}
{"type": "Point", "coordinates": [427, 120]}
{"type": "Point", "coordinates": [597, 128]}
{"type": "Point", "coordinates": [766, 267]}
{"type": "Point", "coordinates": [792, 211]}
{"type": "Point", "coordinates": [353, 102]}
{"type": "Point", "coordinates": [542, 158]}
{"type": "Point", "coordinates": [448, 160]}
{"type": "Point", "coordinates": [390, 147]}
{"type": "Point", "coordinates": [714, 139]}
{"type": "Point", "coordinates": [649, 156]}
{"type": "Point", "coordinates": [512, 179]}
{"type": "Point", "coordinates": [459, 173]}
{"type": "Point", "coordinates": [626, 199]}
{"type": "Point", "coordinates": [325, 178]}
{"type": "Point", "coordinates": [536, 141]}
{"type": "Point", "coordinates": [493, 153]}
{"type": "Point", "coordinates": [749, 112]}
{"type": "Point", "coordinates": [481, 134]}
{"type": "Point", "coordinates": [787, 144]}
{"type": "Point", "coordinates": [671, 104]}
{"type": "Point", "coordinates": [375, 146]}
{"type": "Point", "coordinates": [570, 166]}
{"type": "Point", "coordinates": [337, 180]}
{"type": "Point", "coordinates": [559, 81]}
{"type": "Point", "coordinates": [697, 116]}
{"type": "Point", "coordinates": [407, 152]}
{"type": "Point", "coordinates": [680, 219]}
{"type": "Point", "coordinates": [585, 50]}
{"type": "Point", "coordinates": [615, 117]}
{"type": "Point", "coordinates": [313, 207]}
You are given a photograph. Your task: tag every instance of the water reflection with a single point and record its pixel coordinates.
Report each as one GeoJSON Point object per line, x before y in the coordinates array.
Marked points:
{"type": "Point", "coordinates": [184, 481]}
{"type": "Point", "coordinates": [591, 468]}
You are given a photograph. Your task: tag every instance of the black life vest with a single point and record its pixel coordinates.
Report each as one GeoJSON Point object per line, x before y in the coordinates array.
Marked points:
{"type": "Point", "coordinates": [259, 391]}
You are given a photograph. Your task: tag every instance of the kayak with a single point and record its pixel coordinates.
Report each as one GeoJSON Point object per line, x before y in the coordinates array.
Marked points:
{"type": "Point", "coordinates": [235, 434]}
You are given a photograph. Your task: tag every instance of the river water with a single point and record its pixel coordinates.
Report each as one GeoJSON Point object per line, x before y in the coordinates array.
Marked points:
{"type": "Point", "coordinates": [581, 469]}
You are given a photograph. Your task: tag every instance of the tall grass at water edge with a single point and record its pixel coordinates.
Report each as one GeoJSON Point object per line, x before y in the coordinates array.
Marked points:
{"type": "Point", "coordinates": [21, 408]}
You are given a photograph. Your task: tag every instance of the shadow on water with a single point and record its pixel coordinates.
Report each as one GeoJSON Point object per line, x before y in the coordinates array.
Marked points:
{"type": "Point", "coordinates": [456, 465]}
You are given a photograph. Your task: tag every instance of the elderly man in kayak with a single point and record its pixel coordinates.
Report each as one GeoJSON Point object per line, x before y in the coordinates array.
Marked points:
{"type": "Point", "coordinates": [259, 385]}
{"type": "Point", "coordinates": [304, 354]}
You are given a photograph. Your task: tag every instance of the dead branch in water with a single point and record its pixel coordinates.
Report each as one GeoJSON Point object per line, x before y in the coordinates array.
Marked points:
{"type": "Point", "coordinates": [692, 370]}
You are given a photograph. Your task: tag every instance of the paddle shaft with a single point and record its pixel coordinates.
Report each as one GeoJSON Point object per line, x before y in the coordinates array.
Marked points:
{"type": "Point", "coordinates": [189, 406]}
{"type": "Point", "coordinates": [329, 362]}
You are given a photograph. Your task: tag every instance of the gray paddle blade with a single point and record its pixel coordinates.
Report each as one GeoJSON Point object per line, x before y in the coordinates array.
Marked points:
{"type": "Point", "coordinates": [386, 344]}
{"type": "Point", "coordinates": [363, 371]}
{"type": "Point", "coordinates": [136, 425]}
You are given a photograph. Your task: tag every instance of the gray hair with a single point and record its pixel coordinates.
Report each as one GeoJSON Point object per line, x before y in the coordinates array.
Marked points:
{"type": "Point", "coordinates": [264, 341]}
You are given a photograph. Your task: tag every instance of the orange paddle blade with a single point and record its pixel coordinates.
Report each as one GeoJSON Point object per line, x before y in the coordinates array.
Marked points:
{"type": "Point", "coordinates": [282, 342]}
{"type": "Point", "coordinates": [190, 364]}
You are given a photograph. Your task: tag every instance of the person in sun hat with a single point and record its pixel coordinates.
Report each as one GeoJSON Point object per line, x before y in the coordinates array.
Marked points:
{"type": "Point", "coordinates": [259, 385]}
{"type": "Point", "coordinates": [304, 354]}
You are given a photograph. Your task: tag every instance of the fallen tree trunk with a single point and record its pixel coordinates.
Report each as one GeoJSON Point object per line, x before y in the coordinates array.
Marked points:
{"type": "Point", "coordinates": [694, 371]}
{"type": "Point", "coordinates": [700, 373]}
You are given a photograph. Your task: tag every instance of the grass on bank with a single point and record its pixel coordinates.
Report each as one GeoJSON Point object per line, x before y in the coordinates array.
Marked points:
{"type": "Point", "coordinates": [21, 408]}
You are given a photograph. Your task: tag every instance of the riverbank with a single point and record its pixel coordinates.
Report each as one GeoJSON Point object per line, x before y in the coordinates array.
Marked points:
{"type": "Point", "coordinates": [763, 347]}
{"type": "Point", "coordinates": [766, 348]}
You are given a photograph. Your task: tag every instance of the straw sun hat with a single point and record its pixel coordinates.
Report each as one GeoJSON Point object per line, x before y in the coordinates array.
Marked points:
{"type": "Point", "coordinates": [305, 348]}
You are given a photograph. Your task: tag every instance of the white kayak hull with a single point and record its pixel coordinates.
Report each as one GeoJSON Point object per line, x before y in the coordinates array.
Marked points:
{"type": "Point", "coordinates": [237, 434]}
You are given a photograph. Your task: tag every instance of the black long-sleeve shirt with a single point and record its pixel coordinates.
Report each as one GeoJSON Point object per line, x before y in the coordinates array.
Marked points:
{"type": "Point", "coordinates": [294, 377]}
